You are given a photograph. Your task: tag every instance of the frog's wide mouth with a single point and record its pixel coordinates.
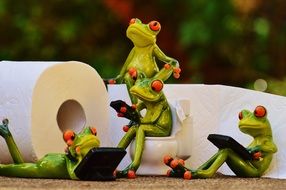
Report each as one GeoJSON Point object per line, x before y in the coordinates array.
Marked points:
{"type": "Point", "coordinates": [133, 31]}
{"type": "Point", "coordinates": [91, 143]}
{"type": "Point", "coordinates": [144, 98]}
{"type": "Point", "coordinates": [251, 127]}
{"type": "Point", "coordinates": [244, 126]}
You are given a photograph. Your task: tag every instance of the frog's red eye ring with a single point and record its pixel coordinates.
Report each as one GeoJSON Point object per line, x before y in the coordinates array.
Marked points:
{"type": "Point", "coordinates": [260, 111]}
{"type": "Point", "coordinates": [93, 130]}
{"type": "Point", "coordinates": [240, 116]}
{"type": "Point", "coordinates": [157, 85]}
{"type": "Point", "coordinates": [155, 25]}
{"type": "Point", "coordinates": [68, 136]}
{"type": "Point", "coordinates": [132, 21]}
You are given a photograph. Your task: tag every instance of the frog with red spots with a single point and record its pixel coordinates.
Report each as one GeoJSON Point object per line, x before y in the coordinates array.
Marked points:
{"type": "Point", "coordinates": [53, 165]}
{"type": "Point", "coordinates": [261, 151]}
{"type": "Point", "coordinates": [141, 59]}
{"type": "Point", "coordinates": [157, 122]}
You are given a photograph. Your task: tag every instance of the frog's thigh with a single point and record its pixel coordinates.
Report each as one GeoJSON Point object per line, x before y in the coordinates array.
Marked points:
{"type": "Point", "coordinates": [240, 166]}
{"type": "Point", "coordinates": [153, 130]}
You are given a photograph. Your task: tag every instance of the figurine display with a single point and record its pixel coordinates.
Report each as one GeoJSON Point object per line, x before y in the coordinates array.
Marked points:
{"type": "Point", "coordinates": [157, 121]}
{"type": "Point", "coordinates": [141, 59]}
{"type": "Point", "coordinates": [261, 150]}
{"type": "Point", "coordinates": [52, 165]}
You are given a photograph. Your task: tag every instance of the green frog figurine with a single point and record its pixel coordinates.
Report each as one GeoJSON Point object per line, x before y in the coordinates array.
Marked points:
{"type": "Point", "coordinates": [157, 122]}
{"type": "Point", "coordinates": [51, 165]}
{"type": "Point", "coordinates": [261, 148]}
{"type": "Point", "coordinates": [141, 59]}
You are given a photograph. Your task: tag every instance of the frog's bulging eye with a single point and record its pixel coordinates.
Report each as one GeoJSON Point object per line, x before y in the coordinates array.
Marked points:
{"type": "Point", "coordinates": [240, 116]}
{"type": "Point", "coordinates": [132, 21]}
{"type": "Point", "coordinates": [155, 25]}
{"type": "Point", "coordinates": [157, 85]}
{"type": "Point", "coordinates": [69, 136]}
{"type": "Point", "coordinates": [260, 111]}
{"type": "Point", "coordinates": [93, 130]}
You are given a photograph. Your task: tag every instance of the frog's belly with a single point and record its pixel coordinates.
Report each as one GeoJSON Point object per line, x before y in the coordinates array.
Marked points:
{"type": "Point", "coordinates": [144, 64]}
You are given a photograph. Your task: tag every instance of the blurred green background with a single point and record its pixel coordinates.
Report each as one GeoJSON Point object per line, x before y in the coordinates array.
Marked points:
{"type": "Point", "coordinates": [231, 42]}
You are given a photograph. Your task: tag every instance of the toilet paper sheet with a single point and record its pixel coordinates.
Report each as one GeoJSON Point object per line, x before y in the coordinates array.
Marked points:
{"type": "Point", "coordinates": [43, 99]}
{"type": "Point", "coordinates": [214, 109]}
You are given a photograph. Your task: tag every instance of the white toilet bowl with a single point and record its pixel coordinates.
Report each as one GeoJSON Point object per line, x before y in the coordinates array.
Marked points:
{"type": "Point", "coordinates": [156, 148]}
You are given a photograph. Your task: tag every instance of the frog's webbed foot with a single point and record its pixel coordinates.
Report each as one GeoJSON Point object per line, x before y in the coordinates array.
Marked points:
{"type": "Point", "coordinates": [178, 168]}
{"type": "Point", "coordinates": [129, 172]}
{"type": "Point", "coordinates": [4, 131]}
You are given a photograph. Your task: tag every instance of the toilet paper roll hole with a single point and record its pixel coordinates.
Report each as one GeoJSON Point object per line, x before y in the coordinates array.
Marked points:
{"type": "Point", "coordinates": [71, 116]}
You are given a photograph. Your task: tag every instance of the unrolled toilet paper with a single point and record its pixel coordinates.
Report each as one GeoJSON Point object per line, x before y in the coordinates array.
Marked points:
{"type": "Point", "coordinates": [43, 99]}
{"type": "Point", "coordinates": [214, 109]}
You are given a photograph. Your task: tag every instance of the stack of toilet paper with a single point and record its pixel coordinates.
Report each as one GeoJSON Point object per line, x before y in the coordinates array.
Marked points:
{"type": "Point", "coordinates": [43, 99]}
{"type": "Point", "coordinates": [214, 109]}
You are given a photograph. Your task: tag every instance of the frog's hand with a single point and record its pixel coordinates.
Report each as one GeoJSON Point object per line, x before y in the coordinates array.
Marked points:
{"type": "Point", "coordinates": [110, 81]}
{"type": "Point", "coordinates": [13, 149]}
{"type": "Point", "coordinates": [124, 110]}
{"type": "Point", "coordinates": [165, 73]}
{"type": "Point", "coordinates": [254, 149]}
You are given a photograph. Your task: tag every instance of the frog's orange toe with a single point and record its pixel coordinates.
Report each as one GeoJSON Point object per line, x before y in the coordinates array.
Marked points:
{"type": "Point", "coordinates": [111, 81]}
{"type": "Point", "coordinates": [169, 172]}
{"type": "Point", "coordinates": [125, 128]}
{"type": "Point", "coordinates": [182, 162]}
{"type": "Point", "coordinates": [187, 175]}
{"type": "Point", "coordinates": [167, 66]}
{"type": "Point", "coordinates": [131, 174]}
{"type": "Point", "coordinates": [174, 164]}
{"type": "Point", "coordinates": [167, 159]}
{"type": "Point", "coordinates": [114, 173]}
{"type": "Point", "coordinates": [123, 109]}
{"type": "Point", "coordinates": [176, 75]}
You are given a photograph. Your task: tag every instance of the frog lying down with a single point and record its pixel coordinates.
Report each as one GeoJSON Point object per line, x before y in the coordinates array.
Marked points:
{"type": "Point", "coordinates": [52, 165]}
{"type": "Point", "coordinates": [262, 149]}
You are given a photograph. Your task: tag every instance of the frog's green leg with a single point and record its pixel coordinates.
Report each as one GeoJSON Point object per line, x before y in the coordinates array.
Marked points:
{"type": "Point", "coordinates": [50, 166]}
{"type": "Point", "coordinates": [128, 137]}
{"type": "Point", "coordinates": [238, 165]}
{"type": "Point", "coordinates": [142, 131]}
{"type": "Point", "coordinates": [124, 142]}
{"type": "Point", "coordinates": [31, 170]}
{"type": "Point", "coordinates": [13, 149]}
{"type": "Point", "coordinates": [19, 170]}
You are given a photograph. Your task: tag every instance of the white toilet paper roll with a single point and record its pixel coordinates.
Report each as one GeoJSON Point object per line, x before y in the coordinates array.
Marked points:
{"type": "Point", "coordinates": [43, 99]}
